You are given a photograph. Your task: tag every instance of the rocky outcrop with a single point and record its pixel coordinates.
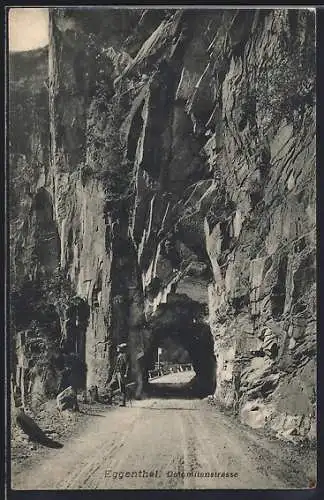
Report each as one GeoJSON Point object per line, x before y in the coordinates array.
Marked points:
{"type": "Point", "coordinates": [67, 399]}
{"type": "Point", "coordinates": [182, 181]}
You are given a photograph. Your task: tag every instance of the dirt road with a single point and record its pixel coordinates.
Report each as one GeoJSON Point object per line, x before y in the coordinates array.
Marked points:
{"type": "Point", "coordinates": [170, 443]}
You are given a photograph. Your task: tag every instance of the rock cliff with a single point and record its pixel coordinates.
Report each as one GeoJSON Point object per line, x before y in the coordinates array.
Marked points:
{"type": "Point", "coordinates": [175, 173]}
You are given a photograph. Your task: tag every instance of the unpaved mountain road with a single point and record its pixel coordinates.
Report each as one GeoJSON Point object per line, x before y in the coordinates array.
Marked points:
{"type": "Point", "coordinates": [168, 444]}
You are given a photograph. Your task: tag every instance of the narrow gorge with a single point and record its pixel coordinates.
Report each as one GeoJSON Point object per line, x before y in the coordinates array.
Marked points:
{"type": "Point", "coordinates": [163, 190]}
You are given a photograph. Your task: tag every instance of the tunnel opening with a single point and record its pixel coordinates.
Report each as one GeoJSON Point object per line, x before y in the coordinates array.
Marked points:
{"type": "Point", "coordinates": [181, 351]}
{"type": "Point", "coordinates": [170, 370]}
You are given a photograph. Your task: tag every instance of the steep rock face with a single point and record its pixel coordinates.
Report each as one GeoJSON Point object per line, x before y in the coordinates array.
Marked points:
{"type": "Point", "coordinates": [225, 185]}
{"type": "Point", "coordinates": [85, 58]}
{"type": "Point", "coordinates": [29, 160]}
{"type": "Point", "coordinates": [263, 250]}
{"type": "Point", "coordinates": [34, 240]}
{"type": "Point", "coordinates": [183, 179]}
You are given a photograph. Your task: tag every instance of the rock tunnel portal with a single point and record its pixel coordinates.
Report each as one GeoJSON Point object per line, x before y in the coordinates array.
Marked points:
{"type": "Point", "coordinates": [181, 321]}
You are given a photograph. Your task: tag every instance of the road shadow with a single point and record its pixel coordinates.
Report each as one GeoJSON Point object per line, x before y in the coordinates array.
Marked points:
{"type": "Point", "coordinates": [33, 431]}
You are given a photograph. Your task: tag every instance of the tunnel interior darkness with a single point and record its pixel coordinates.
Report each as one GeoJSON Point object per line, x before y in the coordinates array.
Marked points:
{"type": "Point", "coordinates": [181, 320]}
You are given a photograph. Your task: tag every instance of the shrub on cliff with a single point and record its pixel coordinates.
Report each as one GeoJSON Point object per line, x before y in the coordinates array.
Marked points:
{"type": "Point", "coordinates": [36, 306]}
{"type": "Point", "coordinates": [40, 300]}
{"type": "Point", "coordinates": [37, 309]}
{"type": "Point", "coordinates": [106, 158]}
{"type": "Point", "coordinates": [285, 84]}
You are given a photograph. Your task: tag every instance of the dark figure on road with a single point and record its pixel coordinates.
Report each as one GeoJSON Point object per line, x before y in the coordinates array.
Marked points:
{"type": "Point", "coordinates": [121, 370]}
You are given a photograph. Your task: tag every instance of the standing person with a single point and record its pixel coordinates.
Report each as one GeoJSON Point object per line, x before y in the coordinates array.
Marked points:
{"type": "Point", "coordinates": [122, 369]}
